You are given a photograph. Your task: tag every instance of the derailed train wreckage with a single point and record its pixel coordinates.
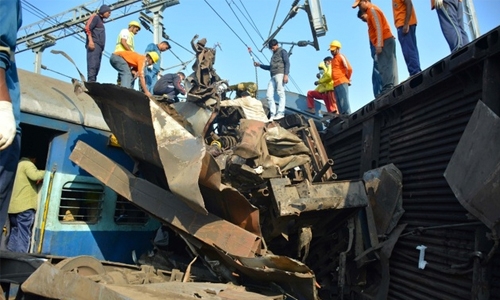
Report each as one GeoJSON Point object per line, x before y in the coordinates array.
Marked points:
{"type": "Point", "coordinates": [255, 202]}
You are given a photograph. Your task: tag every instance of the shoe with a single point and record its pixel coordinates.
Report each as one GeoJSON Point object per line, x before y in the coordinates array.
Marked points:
{"type": "Point", "coordinates": [278, 117]}
{"type": "Point", "coordinates": [311, 111]}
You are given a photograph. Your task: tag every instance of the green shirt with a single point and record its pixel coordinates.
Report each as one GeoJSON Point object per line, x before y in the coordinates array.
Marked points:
{"type": "Point", "coordinates": [24, 193]}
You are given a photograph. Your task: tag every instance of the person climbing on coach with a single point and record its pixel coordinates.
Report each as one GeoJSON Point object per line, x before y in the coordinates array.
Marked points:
{"type": "Point", "coordinates": [324, 89]}
{"type": "Point", "coordinates": [96, 40]}
{"type": "Point", "coordinates": [279, 69]}
{"type": "Point", "coordinates": [130, 65]}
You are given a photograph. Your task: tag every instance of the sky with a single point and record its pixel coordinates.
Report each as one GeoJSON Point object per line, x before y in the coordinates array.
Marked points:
{"type": "Point", "coordinates": [249, 25]}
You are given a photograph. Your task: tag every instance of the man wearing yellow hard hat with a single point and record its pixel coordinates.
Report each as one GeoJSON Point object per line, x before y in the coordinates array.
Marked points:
{"type": "Point", "coordinates": [125, 40]}
{"type": "Point", "coordinates": [130, 65]}
{"type": "Point", "coordinates": [341, 75]}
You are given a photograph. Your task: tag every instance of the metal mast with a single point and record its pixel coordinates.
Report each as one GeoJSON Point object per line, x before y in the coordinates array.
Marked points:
{"type": "Point", "coordinates": [43, 34]}
{"type": "Point", "coordinates": [470, 12]}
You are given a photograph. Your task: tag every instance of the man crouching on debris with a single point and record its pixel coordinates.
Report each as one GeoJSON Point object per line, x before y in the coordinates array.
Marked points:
{"type": "Point", "coordinates": [130, 65]}
{"type": "Point", "coordinates": [170, 85]}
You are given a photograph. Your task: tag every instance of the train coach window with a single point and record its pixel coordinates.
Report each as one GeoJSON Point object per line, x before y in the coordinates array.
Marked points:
{"type": "Point", "coordinates": [127, 213]}
{"type": "Point", "coordinates": [81, 202]}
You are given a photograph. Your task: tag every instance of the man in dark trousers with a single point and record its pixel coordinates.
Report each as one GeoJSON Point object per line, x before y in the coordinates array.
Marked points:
{"type": "Point", "coordinates": [170, 85]}
{"type": "Point", "coordinates": [96, 39]}
{"type": "Point", "coordinates": [451, 19]}
{"type": "Point", "coordinates": [10, 102]}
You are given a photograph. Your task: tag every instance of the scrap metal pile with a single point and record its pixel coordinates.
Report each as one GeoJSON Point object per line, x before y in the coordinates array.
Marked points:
{"type": "Point", "coordinates": [245, 201]}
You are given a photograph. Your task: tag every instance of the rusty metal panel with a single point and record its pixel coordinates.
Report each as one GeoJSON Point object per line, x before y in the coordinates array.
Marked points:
{"type": "Point", "coordinates": [303, 197]}
{"type": "Point", "coordinates": [421, 122]}
{"type": "Point", "coordinates": [474, 169]}
{"type": "Point", "coordinates": [181, 155]}
{"type": "Point", "coordinates": [131, 121]}
{"type": "Point", "coordinates": [210, 229]}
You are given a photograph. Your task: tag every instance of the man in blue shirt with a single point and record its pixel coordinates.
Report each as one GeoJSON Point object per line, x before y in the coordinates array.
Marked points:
{"type": "Point", "coordinates": [151, 73]}
{"type": "Point", "coordinates": [10, 102]}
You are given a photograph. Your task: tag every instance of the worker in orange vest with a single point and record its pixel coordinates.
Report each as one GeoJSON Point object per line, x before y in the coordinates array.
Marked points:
{"type": "Point", "coordinates": [341, 74]}
{"type": "Point", "coordinates": [381, 37]}
{"type": "Point", "coordinates": [405, 21]}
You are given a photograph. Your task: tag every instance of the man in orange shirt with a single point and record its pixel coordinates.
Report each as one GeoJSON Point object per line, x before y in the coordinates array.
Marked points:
{"type": "Point", "coordinates": [130, 65]}
{"type": "Point", "coordinates": [406, 24]}
{"type": "Point", "coordinates": [341, 75]}
{"type": "Point", "coordinates": [381, 37]}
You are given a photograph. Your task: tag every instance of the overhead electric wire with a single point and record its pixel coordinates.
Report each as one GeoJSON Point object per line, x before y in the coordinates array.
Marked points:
{"type": "Point", "coordinates": [274, 18]}
{"type": "Point", "coordinates": [249, 19]}
{"type": "Point", "coordinates": [241, 24]}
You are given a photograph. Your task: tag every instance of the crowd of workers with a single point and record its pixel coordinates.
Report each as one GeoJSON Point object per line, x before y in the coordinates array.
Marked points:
{"type": "Point", "coordinates": [383, 50]}
{"type": "Point", "coordinates": [129, 63]}
{"type": "Point", "coordinates": [332, 84]}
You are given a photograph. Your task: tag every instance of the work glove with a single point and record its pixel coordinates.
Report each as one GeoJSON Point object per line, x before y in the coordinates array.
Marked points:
{"type": "Point", "coordinates": [438, 4]}
{"type": "Point", "coordinates": [7, 124]}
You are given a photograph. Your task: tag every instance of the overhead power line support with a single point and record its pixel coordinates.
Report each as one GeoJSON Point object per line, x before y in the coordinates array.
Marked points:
{"type": "Point", "coordinates": [470, 13]}
{"type": "Point", "coordinates": [62, 25]}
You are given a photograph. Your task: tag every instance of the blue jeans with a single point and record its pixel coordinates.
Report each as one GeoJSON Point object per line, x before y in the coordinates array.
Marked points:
{"type": "Point", "coordinates": [342, 94]}
{"type": "Point", "coordinates": [20, 231]}
{"type": "Point", "coordinates": [150, 76]}
{"type": "Point", "coordinates": [276, 83]}
{"type": "Point", "coordinates": [451, 19]}
{"type": "Point", "coordinates": [123, 70]}
{"type": "Point", "coordinates": [410, 51]}
{"type": "Point", "coordinates": [376, 79]}
{"type": "Point", "coordinates": [8, 167]}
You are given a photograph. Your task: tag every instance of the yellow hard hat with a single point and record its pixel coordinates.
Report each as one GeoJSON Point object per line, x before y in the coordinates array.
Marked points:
{"type": "Point", "coordinates": [335, 44]}
{"type": "Point", "coordinates": [134, 23]}
{"type": "Point", "coordinates": [154, 56]}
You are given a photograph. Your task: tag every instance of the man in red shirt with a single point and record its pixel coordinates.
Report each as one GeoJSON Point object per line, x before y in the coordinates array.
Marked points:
{"type": "Point", "coordinates": [130, 65]}
{"type": "Point", "coordinates": [381, 37]}
{"type": "Point", "coordinates": [406, 24]}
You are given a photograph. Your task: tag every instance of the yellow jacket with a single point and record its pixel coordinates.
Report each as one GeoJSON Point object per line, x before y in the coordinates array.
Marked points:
{"type": "Point", "coordinates": [325, 83]}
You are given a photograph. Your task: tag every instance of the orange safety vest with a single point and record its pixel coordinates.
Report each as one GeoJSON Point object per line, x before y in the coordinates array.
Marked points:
{"type": "Point", "coordinates": [378, 27]}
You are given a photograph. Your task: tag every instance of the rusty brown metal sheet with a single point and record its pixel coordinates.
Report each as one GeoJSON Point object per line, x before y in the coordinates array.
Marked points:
{"type": "Point", "coordinates": [303, 197]}
{"type": "Point", "coordinates": [291, 275]}
{"type": "Point", "coordinates": [52, 282]}
{"type": "Point", "coordinates": [473, 172]}
{"type": "Point", "coordinates": [128, 113]}
{"type": "Point", "coordinates": [181, 155]}
{"type": "Point", "coordinates": [186, 163]}
{"type": "Point", "coordinates": [164, 205]}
